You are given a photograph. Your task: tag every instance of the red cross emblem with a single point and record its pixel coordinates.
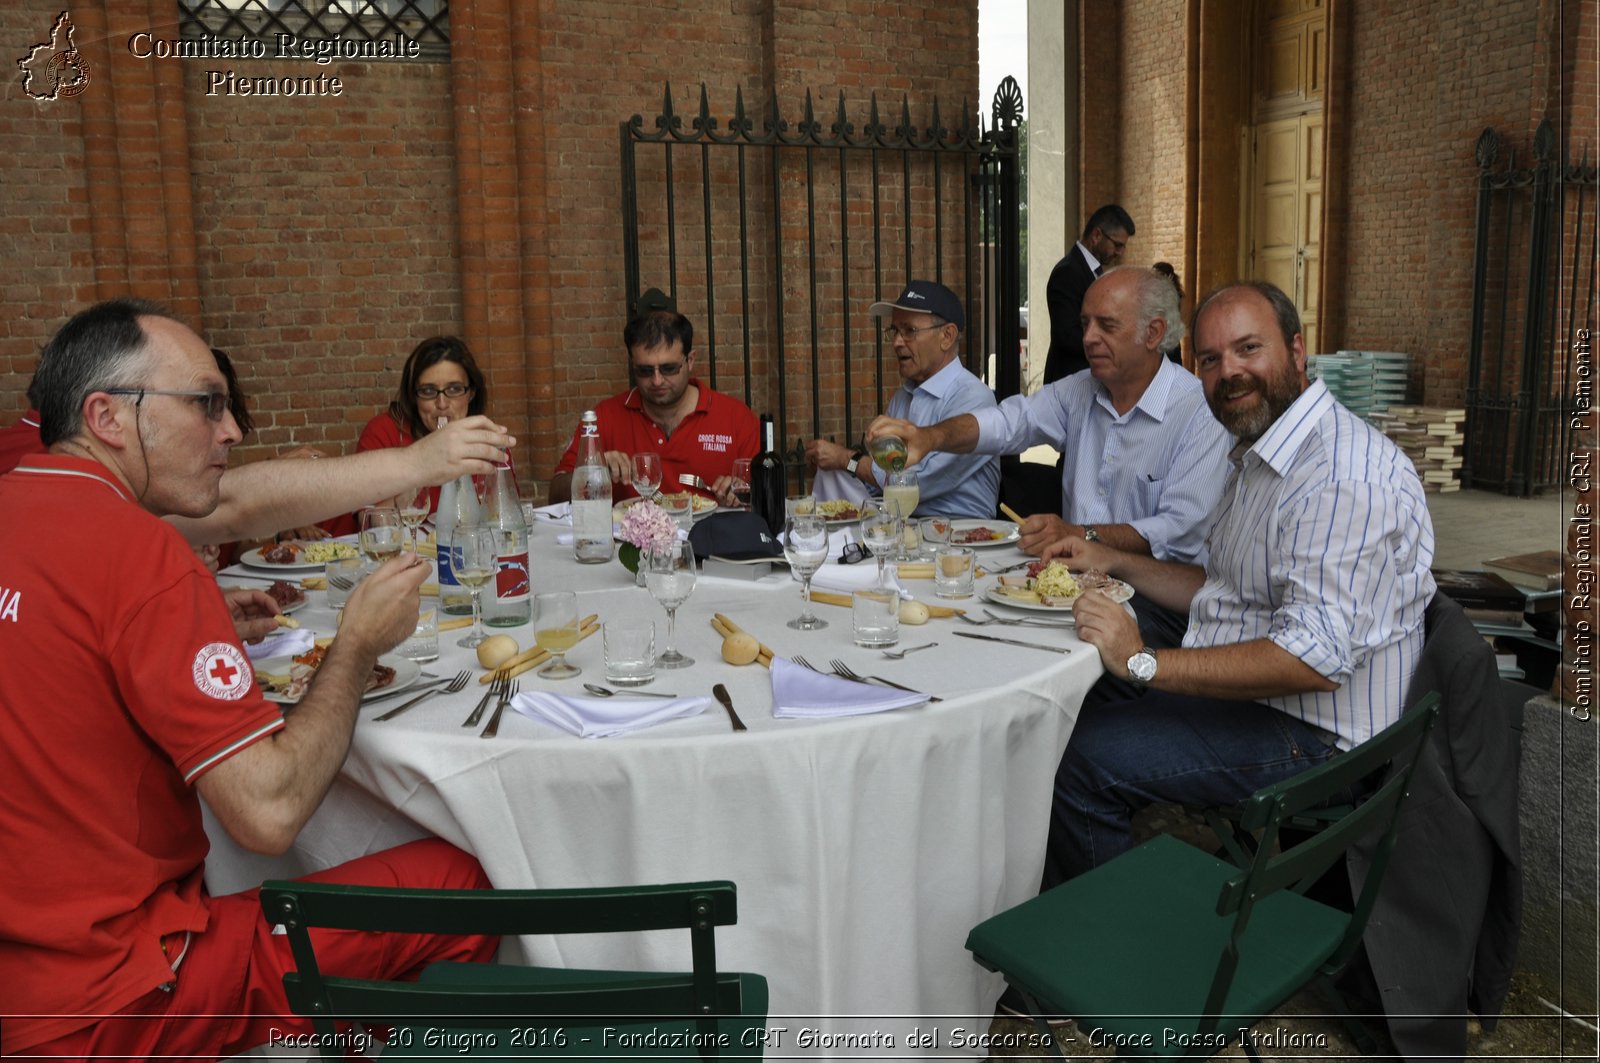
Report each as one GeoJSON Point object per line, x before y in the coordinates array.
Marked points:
{"type": "Point", "coordinates": [220, 670]}
{"type": "Point", "coordinates": [223, 672]}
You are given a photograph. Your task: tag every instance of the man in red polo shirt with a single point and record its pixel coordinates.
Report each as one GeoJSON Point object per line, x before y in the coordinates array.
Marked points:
{"type": "Point", "coordinates": [124, 690]}
{"type": "Point", "coordinates": [669, 412]}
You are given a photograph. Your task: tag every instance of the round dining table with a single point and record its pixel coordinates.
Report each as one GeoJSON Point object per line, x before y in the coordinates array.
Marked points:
{"type": "Point", "coordinates": [863, 847]}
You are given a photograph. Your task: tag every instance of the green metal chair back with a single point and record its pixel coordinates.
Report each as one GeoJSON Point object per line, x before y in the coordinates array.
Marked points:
{"type": "Point", "coordinates": [495, 1001]}
{"type": "Point", "coordinates": [1172, 951]}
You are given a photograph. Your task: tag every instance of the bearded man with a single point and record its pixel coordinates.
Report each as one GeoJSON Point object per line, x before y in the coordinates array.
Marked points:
{"type": "Point", "coordinates": [1305, 623]}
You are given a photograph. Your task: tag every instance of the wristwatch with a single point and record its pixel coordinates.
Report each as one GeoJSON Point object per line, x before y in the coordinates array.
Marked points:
{"type": "Point", "coordinates": [855, 463]}
{"type": "Point", "coordinates": [1089, 534]}
{"type": "Point", "coordinates": [1142, 666]}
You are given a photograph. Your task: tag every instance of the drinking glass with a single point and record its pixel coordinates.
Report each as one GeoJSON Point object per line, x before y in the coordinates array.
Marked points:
{"type": "Point", "coordinates": [630, 651]}
{"type": "Point", "coordinates": [741, 482]}
{"type": "Point", "coordinates": [382, 533]}
{"type": "Point", "coordinates": [474, 558]}
{"type": "Point", "coordinates": [875, 617]}
{"type": "Point", "coordinates": [799, 506]}
{"type": "Point", "coordinates": [805, 544]}
{"type": "Point", "coordinates": [647, 475]}
{"type": "Point", "coordinates": [936, 530]}
{"type": "Point", "coordinates": [670, 575]}
{"type": "Point", "coordinates": [879, 531]}
{"type": "Point", "coordinates": [901, 492]}
{"type": "Point", "coordinates": [413, 511]}
{"type": "Point", "coordinates": [679, 507]}
{"type": "Point", "coordinates": [953, 571]}
{"type": "Point", "coordinates": [555, 630]}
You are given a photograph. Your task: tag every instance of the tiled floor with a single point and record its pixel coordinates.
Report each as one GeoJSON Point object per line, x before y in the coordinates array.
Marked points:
{"type": "Point", "coordinates": [1473, 526]}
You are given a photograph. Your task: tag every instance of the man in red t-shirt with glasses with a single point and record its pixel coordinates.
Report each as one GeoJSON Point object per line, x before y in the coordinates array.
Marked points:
{"type": "Point", "coordinates": [125, 690]}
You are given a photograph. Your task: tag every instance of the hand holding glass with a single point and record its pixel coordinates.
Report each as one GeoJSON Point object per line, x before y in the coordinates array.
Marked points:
{"type": "Point", "coordinates": [670, 575]}
{"type": "Point", "coordinates": [805, 545]}
{"type": "Point", "coordinates": [474, 558]}
{"type": "Point", "coordinates": [555, 630]}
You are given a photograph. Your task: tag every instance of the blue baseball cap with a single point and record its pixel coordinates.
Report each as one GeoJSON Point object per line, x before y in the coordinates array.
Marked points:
{"type": "Point", "coordinates": [925, 297]}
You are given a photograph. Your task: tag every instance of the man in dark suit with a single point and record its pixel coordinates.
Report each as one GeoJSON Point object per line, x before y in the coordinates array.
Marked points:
{"type": "Point", "coordinates": [1104, 238]}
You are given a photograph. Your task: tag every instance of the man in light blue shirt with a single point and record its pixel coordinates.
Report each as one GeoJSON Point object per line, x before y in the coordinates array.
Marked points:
{"type": "Point", "coordinates": [1144, 458]}
{"type": "Point", "coordinates": [925, 331]}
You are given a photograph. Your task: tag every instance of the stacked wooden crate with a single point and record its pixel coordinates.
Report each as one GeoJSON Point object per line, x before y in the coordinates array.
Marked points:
{"type": "Point", "coordinates": [1431, 436]}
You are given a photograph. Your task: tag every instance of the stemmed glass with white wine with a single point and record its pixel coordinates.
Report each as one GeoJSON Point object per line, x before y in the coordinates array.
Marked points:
{"type": "Point", "coordinates": [646, 475]}
{"type": "Point", "coordinates": [474, 559]}
{"type": "Point", "coordinates": [805, 545]}
{"type": "Point", "coordinates": [670, 575]}
{"type": "Point", "coordinates": [902, 490]}
{"type": "Point", "coordinates": [382, 533]}
{"type": "Point", "coordinates": [880, 531]}
{"type": "Point", "coordinates": [414, 508]}
{"type": "Point", "coordinates": [555, 630]}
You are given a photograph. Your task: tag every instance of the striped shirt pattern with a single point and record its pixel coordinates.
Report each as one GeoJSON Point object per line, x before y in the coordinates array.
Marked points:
{"type": "Point", "coordinates": [1322, 543]}
{"type": "Point", "coordinates": [1159, 467]}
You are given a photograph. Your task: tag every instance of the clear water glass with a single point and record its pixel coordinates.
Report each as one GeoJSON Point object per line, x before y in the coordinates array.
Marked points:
{"type": "Point", "coordinates": [875, 617]}
{"type": "Point", "coordinates": [670, 576]}
{"type": "Point", "coordinates": [805, 546]}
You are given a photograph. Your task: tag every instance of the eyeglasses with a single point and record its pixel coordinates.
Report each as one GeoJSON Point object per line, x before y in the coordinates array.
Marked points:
{"type": "Point", "coordinates": [214, 403]}
{"type": "Point", "coordinates": [1120, 245]}
{"type": "Point", "coordinates": [905, 332]}
{"type": "Point", "coordinates": [429, 392]}
{"type": "Point", "coordinates": [648, 372]}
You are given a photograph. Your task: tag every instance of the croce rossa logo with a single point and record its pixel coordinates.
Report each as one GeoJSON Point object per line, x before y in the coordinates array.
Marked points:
{"type": "Point", "coordinates": [54, 69]}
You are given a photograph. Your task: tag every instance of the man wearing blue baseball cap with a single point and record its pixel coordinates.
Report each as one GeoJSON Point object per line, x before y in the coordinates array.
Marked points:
{"type": "Point", "coordinates": [924, 330]}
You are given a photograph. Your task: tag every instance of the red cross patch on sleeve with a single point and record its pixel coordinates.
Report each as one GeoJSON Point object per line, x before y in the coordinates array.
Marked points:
{"type": "Point", "coordinates": [221, 671]}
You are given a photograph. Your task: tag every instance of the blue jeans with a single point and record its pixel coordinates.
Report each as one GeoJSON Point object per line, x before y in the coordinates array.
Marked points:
{"type": "Point", "coordinates": [1197, 752]}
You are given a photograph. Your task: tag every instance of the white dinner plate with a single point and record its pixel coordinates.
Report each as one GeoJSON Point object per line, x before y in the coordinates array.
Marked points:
{"type": "Point", "coordinates": [253, 559]}
{"type": "Point", "coordinates": [406, 674]}
{"type": "Point", "coordinates": [292, 607]}
{"type": "Point", "coordinates": [1008, 532]}
{"type": "Point", "coordinates": [1119, 593]}
{"type": "Point", "coordinates": [703, 506]}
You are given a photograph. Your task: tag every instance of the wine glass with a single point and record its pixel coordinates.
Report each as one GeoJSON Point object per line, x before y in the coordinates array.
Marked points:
{"type": "Point", "coordinates": [741, 482]}
{"type": "Point", "coordinates": [382, 533]}
{"type": "Point", "coordinates": [880, 531]}
{"type": "Point", "coordinates": [474, 558]}
{"type": "Point", "coordinates": [936, 532]}
{"type": "Point", "coordinates": [414, 507]}
{"type": "Point", "coordinates": [901, 492]}
{"type": "Point", "coordinates": [647, 475]}
{"type": "Point", "coordinates": [670, 574]}
{"type": "Point", "coordinates": [555, 630]}
{"type": "Point", "coordinates": [805, 544]}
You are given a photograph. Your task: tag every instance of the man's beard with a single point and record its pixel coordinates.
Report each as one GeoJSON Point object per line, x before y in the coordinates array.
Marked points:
{"type": "Point", "coordinates": [1277, 395]}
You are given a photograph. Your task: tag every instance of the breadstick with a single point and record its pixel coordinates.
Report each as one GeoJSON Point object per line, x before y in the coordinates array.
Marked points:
{"type": "Point", "coordinates": [534, 654]}
{"type": "Point", "coordinates": [726, 627]}
{"type": "Point", "coordinates": [286, 621]}
{"type": "Point", "coordinates": [455, 623]}
{"type": "Point", "coordinates": [535, 661]}
{"type": "Point", "coordinates": [1013, 514]}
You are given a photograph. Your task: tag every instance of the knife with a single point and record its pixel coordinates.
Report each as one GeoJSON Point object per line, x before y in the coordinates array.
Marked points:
{"type": "Point", "coordinates": [1012, 642]}
{"type": "Point", "coordinates": [721, 694]}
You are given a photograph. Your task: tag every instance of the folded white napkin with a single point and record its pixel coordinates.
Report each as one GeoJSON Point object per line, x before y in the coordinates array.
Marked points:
{"type": "Point", "coordinates": [800, 693]}
{"type": "Point", "coordinates": [857, 577]}
{"type": "Point", "coordinates": [603, 717]}
{"type": "Point", "coordinates": [285, 643]}
{"type": "Point", "coordinates": [834, 484]}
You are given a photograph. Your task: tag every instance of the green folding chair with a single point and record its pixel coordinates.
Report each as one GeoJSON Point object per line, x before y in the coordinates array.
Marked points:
{"type": "Point", "coordinates": [501, 1010]}
{"type": "Point", "coordinates": [1169, 951]}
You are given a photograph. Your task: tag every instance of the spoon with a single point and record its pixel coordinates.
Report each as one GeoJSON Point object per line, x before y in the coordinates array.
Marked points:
{"type": "Point", "coordinates": [895, 655]}
{"type": "Point", "coordinates": [606, 692]}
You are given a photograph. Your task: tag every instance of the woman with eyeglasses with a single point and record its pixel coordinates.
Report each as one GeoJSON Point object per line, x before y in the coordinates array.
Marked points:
{"type": "Point", "coordinates": [441, 382]}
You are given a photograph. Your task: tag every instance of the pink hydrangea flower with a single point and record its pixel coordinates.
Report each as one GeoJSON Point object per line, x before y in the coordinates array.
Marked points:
{"type": "Point", "coordinates": [647, 525]}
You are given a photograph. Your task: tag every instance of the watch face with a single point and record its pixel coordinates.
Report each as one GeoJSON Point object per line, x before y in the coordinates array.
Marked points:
{"type": "Point", "coordinates": [1142, 666]}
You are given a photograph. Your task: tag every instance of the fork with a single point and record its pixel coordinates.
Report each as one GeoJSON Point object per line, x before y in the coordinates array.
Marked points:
{"type": "Point", "coordinates": [455, 686]}
{"type": "Point", "coordinates": [843, 671]}
{"type": "Point", "coordinates": [895, 655]}
{"type": "Point", "coordinates": [803, 663]}
{"type": "Point", "coordinates": [1028, 621]}
{"type": "Point", "coordinates": [506, 695]}
{"type": "Point", "coordinates": [689, 479]}
{"type": "Point", "coordinates": [495, 687]}
{"type": "Point", "coordinates": [343, 583]}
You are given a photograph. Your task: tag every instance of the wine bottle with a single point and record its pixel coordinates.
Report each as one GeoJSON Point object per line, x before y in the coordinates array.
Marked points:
{"type": "Point", "coordinates": [591, 496]}
{"type": "Point", "coordinates": [513, 591]}
{"type": "Point", "coordinates": [768, 479]}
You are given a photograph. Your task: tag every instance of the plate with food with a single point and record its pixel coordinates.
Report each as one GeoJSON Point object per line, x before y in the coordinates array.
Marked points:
{"type": "Point", "coordinates": [972, 532]}
{"type": "Point", "coordinates": [285, 679]}
{"type": "Point", "coordinates": [289, 596]}
{"type": "Point", "coordinates": [297, 555]}
{"type": "Point", "coordinates": [703, 506]}
{"type": "Point", "coordinates": [837, 511]}
{"type": "Point", "coordinates": [1050, 587]}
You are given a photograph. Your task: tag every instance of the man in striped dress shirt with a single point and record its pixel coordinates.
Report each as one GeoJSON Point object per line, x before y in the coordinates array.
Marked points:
{"type": "Point", "coordinates": [1305, 622]}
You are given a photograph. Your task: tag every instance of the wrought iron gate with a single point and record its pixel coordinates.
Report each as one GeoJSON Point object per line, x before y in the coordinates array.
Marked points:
{"type": "Point", "coordinates": [1533, 290]}
{"type": "Point", "coordinates": [775, 239]}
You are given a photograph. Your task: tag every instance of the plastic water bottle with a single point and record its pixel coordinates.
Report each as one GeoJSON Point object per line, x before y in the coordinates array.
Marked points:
{"type": "Point", "coordinates": [458, 504]}
{"type": "Point", "coordinates": [591, 496]}
{"type": "Point", "coordinates": [513, 586]}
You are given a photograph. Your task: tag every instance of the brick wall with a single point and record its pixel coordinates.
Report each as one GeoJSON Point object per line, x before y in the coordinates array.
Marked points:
{"type": "Point", "coordinates": [318, 239]}
{"type": "Point", "coordinates": [1151, 179]}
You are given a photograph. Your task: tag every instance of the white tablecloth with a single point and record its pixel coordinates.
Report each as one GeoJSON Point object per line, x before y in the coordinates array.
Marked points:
{"type": "Point", "coordinates": [863, 848]}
